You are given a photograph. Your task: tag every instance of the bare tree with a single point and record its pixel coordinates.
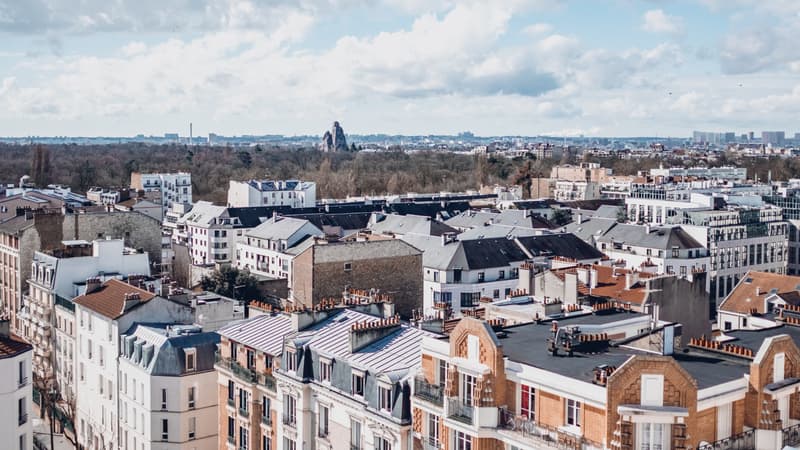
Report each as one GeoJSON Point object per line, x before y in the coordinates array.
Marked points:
{"type": "Point", "coordinates": [68, 413]}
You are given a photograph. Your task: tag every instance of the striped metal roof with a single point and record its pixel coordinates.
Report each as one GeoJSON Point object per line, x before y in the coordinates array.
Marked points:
{"type": "Point", "coordinates": [399, 350]}
{"type": "Point", "coordinates": [263, 333]}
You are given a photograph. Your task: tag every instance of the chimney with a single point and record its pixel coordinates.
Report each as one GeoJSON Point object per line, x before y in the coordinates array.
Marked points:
{"type": "Point", "coordinates": [758, 290]}
{"type": "Point", "coordinates": [448, 238]}
{"type": "Point", "coordinates": [92, 284]}
{"type": "Point", "coordinates": [647, 228]}
{"type": "Point", "coordinates": [580, 218]}
{"type": "Point", "coordinates": [631, 278]}
{"type": "Point", "coordinates": [364, 333]}
{"type": "Point", "coordinates": [131, 298]}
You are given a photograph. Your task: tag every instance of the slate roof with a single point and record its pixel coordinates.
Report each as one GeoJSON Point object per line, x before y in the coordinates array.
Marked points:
{"type": "Point", "coordinates": [664, 238]}
{"type": "Point", "coordinates": [264, 333]}
{"type": "Point", "coordinates": [410, 224]}
{"type": "Point", "coordinates": [169, 350]}
{"type": "Point", "coordinates": [278, 228]}
{"type": "Point", "coordinates": [589, 230]}
{"type": "Point", "coordinates": [109, 299]}
{"type": "Point", "coordinates": [497, 231]}
{"type": "Point", "coordinates": [345, 221]}
{"type": "Point", "coordinates": [563, 244]}
{"type": "Point", "coordinates": [527, 344]}
{"type": "Point", "coordinates": [755, 287]}
{"type": "Point", "coordinates": [488, 253]}
{"type": "Point", "coordinates": [433, 209]}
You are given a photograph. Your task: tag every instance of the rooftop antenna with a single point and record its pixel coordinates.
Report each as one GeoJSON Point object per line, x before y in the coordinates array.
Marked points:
{"type": "Point", "coordinates": [190, 133]}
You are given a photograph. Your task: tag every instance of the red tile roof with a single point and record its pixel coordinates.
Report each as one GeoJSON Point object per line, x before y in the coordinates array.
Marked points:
{"type": "Point", "coordinates": [11, 346]}
{"type": "Point", "coordinates": [109, 299]}
{"type": "Point", "coordinates": [748, 296]}
{"type": "Point", "coordinates": [611, 284]}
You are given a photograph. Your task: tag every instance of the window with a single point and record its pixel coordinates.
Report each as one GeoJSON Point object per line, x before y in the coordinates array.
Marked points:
{"type": "Point", "coordinates": [163, 399]}
{"type": "Point", "coordinates": [470, 299]}
{"type": "Point", "coordinates": [324, 371]}
{"type": "Point", "coordinates": [243, 401]}
{"type": "Point", "coordinates": [675, 252]}
{"type": "Point", "coordinates": [22, 411]}
{"type": "Point", "coordinates": [481, 277]}
{"type": "Point", "coordinates": [463, 441]}
{"type": "Point", "coordinates": [385, 398]}
{"type": "Point", "coordinates": [355, 435]}
{"type": "Point", "coordinates": [22, 377]}
{"type": "Point", "coordinates": [501, 275]}
{"type": "Point", "coordinates": [467, 389]}
{"type": "Point", "coordinates": [289, 444]}
{"type": "Point", "coordinates": [436, 275]}
{"type": "Point", "coordinates": [265, 409]}
{"type": "Point", "coordinates": [348, 267]}
{"type": "Point", "coordinates": [382, 444]}
{"type": "Point", "coordinates": [164, 429]}
{"type": "Point", "coordinates": [291, 361]}
{"type": "Point", "coordinates": [527, 402]}
{"type": "Point", "coordinates": [266, 443]}
{"type": "Point", "coordinates": [243, 438]}
{"type": "Point", "coordinates": [652, 436]}
{"type": "Point", "coordinates": [192, 427]}
{"type": "Point", "coordinates": [323, 421]}
{"type": "Point", "coordinates": [442, 373]}
{"type": "Point", "coordinates": [231, 427]}
{"type": "Point", "coordinates": [573, 411]}
{"type": "Point", "coordinates": [456, 275]}
{"type": "Point", "coordinates": [230, 389]}
{"type": "Point", "coordinates": [190, 359]}
{"type": "Point", "coordinates": [433, 430]}
{"type": "Point", "coordinates": [251, 360]}
{"type": "Point", "coordinates": [191, 397]}
{"type": "Point", "coordinates": [22, 442]}
{"type": "Point", "coordinates": [496, 293]}
{"type": "Point", "coordinates": [289, 410]}
{"type": "Point", "coordinates": [357, 387]}
{"type": "Point", "coordinates": [443, 297]}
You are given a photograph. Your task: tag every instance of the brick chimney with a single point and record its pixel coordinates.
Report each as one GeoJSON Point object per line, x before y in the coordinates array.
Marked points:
{"type": "Point", "coordinates": [365, 333]}
{"type": "Point", "coordinates": [131, 298]}
{"type": "Point", "coordinates": [93, 284]}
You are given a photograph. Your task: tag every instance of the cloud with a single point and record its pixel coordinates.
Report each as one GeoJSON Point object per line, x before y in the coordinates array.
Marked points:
{"type": "Point", "coordinates": [537, 29]}
{"type": "Point", "coordinates": [657, 21]}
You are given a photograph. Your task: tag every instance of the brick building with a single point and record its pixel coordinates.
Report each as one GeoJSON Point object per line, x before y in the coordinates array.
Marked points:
{"type": "Point", "coordinates": [326, 269]}
{"type": "Point", "coordinates": [575, 385]}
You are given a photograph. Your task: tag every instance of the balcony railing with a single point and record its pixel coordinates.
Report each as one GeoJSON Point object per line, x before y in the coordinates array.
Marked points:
{"type": "Point", "coordinates": [457, 410]}
{"type": "Point", "coordinates": [244, 412]}
{"type": "Point", "coordinates": [231, 402]}
{"type": "Point", "coordinates": [22, 381]}
{"type": "Point", "coordinates": [433, 393]}
{"type": "Point", "coordinates": [430, 443]}
{"type": "Point", "coordinates": [544, 437]}
{"type": "Point", "coordinates": [236, 369]}
{"type": "Point", "coordinates": [322, 432]}
{"type": "Point", "coordinates": [791, 436]}
{"type": "Point", "coordinates": [23, 419]}
{"type": "Point", "coordinates": [266, 420]}
{"type": "Point", "coordinates": [231, 440]}
{"type": "Point", "coordinates": [267, 380]}
{"type": "Point", "coordinates": [289, 419]}
{"type": "Point", "coordinates": [741, 441]}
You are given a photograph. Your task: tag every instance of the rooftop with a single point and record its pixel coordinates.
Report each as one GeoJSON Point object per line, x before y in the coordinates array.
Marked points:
{"type": "Point", "coordinates": [109, 299]}
{"type": "Point", "coordinates": [755, 287]}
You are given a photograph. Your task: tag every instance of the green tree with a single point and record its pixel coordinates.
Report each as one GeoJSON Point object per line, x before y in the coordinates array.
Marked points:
{"type": "Point", "coordinates": [231, 282]}
{"type": "Point", "coordinates": [562, 216]}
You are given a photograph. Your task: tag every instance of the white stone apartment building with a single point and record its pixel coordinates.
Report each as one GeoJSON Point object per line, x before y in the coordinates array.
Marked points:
{"type": "Point", "coordinates": [56, 278]}
{"type": "Point", "coordinates": [739, 240]}
{"type": "Point", "coordinates": [291, 193]}
{"type": "Point", "coordinates": [458, 274]}
{"type": "Point", "coordinates": [103, 313]}
{"type": "Point", "coordinates": [172, 187]}
{"type": "Point", "coordinates": [325, 379]}
{"type": "Point", "coordinates": [209, 235]}
{"type": "Point", "coordinates": [16, 391]}
{"type": "Point", "coordinates": [568, 191]}
{"type": "Point", "coordinates": [269, 248]}
{"type": "Point", "coordinates": [168, 388]}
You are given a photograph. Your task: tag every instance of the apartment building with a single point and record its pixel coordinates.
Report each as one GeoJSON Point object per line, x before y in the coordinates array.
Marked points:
{"type": "Point", "coordinates": [726, 173]}
{"type": "Point", "coordinates": [270, 248]}
{"type": "Point", "coordinates": [458, 274]}
{"type": "Point", "coordinates": [105, 311]}
{"type": "Point", "coordinates": [57, 277]}
{"type": "Point", "coordinates": [569, 191]}
{"type": "Point", "coordinates": [169, 188]}
{"type": "Point", "coordinates": [760, 300]}
{"type": "Point", "coordinates": [336, 376]}
{"type": "Point", "coordinates": [390, 267]}
{"type": "Point", "coordinates": [168, 388]}
{"type": "Point", "coordinates": [16, 391]}
{"type": "Point", "coordinates": [739, 240]}
{"type": "Point", "coordinates": [567, 384]}
{"type": "Point", "coordinates": [291, 193]}
{"type": "Point", "coordinates": [583, 172]}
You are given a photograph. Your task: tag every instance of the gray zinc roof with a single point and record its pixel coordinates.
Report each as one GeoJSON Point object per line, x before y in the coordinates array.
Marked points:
{"type": "Point", "coordinates": [264, 333]}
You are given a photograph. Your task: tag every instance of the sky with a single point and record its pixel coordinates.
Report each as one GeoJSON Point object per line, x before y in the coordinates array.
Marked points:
{"type": "Point", "coordinates": [415, 67]}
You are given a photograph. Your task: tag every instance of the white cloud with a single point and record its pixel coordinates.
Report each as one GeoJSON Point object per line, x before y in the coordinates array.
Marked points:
{"type": "Point", "coordinates": [537, 29]}
{"type": "Point", "coordinates": [657, 21]}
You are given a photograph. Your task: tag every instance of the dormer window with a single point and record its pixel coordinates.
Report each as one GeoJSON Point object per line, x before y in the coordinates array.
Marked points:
{"type": "Point", "coordinates": [385, 398]}
{"type": "Point", "coordinates": [191, 356]}
{"type": "Point", "coordinates": [291, 361]}
{"type": "Point", "coordinates": [357, 386]}
{"type": "Point", "coordinates": [325, 368]}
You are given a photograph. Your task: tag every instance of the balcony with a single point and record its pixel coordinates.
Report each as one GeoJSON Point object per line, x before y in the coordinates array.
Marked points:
{"type": "Point", "coordinates": [244, 412]}
{"type": "Point", "coordinates": [430, 443]}
{"type": "Point", "coordinates": [23, 381]}
{"type": "Point", "coordinates": [457, 410]}
{"type": "Point", "coordinates": [790, 435]}
{"type": "Point", "coordinates": [236, 369]}
{"type": "Point", "coordinates": [267, 380]}
{"type": "Point", "coordinates": [741, 441]}
{"type": "Point", "coordinates": [432, 393]}
{"type": "Point", "coordinates": [540, 437]}
{"type": "Point", "coordinates": [322, 433]}
{"type": "Point", "coordinates": [266, 420]}
{"type": "Point", "coordinates": [231, 440]}
{"type": "Point", "coordinates": [231, 402]}
{"type": "Point", "coordinates": [23, 419]}
{"type": "Point", "coordinates": [289, 419]}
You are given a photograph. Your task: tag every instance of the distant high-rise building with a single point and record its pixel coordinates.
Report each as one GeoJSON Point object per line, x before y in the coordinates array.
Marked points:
{"type": "Point", "coordinates": [773, 137]}
{"type": "Point", "coordinates": [713, 138]}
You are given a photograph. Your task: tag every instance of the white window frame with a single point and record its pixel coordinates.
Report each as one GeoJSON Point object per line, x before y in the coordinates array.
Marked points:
{"type": "Point", "coordinates": [572, 412]}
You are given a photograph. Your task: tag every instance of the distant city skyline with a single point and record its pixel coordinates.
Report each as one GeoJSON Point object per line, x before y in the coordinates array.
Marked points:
{"type": "Point", "coordinates": [399, 67]}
